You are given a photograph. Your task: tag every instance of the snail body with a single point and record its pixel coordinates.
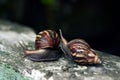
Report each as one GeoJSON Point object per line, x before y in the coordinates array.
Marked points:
{"type": "Point", "coordinates": [79, 51]}
{"type": "Point", "coordinates": [46, 47]}
{"type": "Point", "coordinates": [43, 55]}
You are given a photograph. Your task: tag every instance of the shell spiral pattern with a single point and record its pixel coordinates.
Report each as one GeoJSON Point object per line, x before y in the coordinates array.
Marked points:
{"type": "Point", "coordinates": [82, 53]}
{"type": "Point", "coordinates": [47, 39]}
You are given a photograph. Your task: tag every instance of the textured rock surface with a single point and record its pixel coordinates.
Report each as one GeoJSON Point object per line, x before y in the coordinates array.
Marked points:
{"type": "Point", "coordinates": [11, 54]}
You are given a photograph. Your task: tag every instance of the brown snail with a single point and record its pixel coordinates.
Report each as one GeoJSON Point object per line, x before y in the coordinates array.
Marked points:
{"type": "Point", "coordinates": [79, 51]}
{"type": "Point", "coordinates": [46, 47]}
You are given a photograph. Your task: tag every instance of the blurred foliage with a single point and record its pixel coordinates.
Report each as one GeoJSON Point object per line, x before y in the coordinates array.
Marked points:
{"type": "Point", "coordinates": [48, 2]}
{"type": "Point", "coordinates": [8, 73]}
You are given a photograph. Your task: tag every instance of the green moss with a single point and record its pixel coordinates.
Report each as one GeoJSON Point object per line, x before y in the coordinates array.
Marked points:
{"type": "Point", "coordinates": [8, 73]}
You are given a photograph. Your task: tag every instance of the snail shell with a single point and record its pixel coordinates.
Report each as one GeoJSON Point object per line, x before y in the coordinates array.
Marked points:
{"type": "Point", "coordinates": [47, 39]}
{"type": "Point", "coordinates": [46, 47]}
{"type": "Point", "coordinates": [79, 51]}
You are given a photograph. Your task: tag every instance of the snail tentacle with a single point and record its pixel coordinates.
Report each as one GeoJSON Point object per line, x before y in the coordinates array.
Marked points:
{"type": "Point", "coordinates": [64, 47]}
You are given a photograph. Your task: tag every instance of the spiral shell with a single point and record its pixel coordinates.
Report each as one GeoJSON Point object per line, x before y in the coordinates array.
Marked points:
{"type": "Point", "coordinates": [82, 53]}
{"type": "Point", "coordinates": [47, 39]}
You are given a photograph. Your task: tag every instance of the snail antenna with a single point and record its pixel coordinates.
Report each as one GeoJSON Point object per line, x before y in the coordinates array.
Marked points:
{"type": "Point", "coordinates": [64, 48]}
{"type": "Point", "coordinates": [60, 33]}
{"type": "Point", "coordinates": [23, 47]}
{"type": "Point", "coordinates": [22, 44]}
{"type": "Point", "coordinates": [63, 40]}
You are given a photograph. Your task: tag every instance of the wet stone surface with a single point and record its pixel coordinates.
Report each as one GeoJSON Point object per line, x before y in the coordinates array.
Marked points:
{"type": "Point", "coordinates": [11, 54]}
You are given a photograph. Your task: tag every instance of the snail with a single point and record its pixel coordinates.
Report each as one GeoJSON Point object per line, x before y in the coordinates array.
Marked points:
{"type": "Point", "coordinates": [79, 51]}
{"type": "Point", "coordinates": [46, 47]}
